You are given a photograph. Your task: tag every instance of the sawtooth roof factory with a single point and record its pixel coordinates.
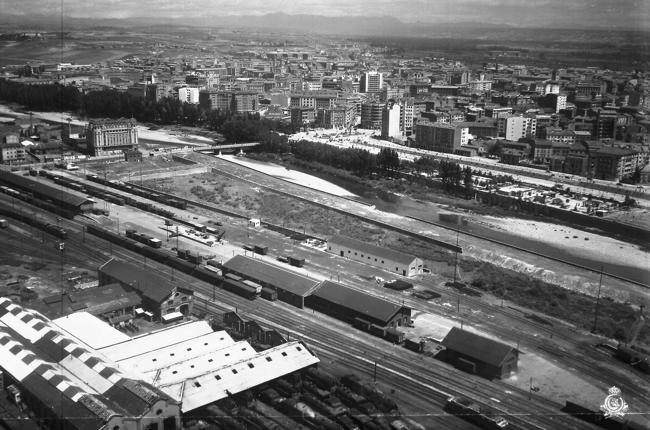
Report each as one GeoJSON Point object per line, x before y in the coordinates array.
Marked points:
{"type": "Point", "coordinates": [81, 373]}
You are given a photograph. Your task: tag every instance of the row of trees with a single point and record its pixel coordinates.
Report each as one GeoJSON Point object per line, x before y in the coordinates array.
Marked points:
{"type": "Point", "coordinates": [112, 103]}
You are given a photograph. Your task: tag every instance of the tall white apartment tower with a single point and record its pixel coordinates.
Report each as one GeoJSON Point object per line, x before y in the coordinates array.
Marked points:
{"type": "Point", "coordinates": [372, 82]}
{"type": "Point", "coordinates": [390, 121]}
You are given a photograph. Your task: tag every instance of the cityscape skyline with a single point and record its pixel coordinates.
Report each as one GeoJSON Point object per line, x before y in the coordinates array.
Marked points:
{"type": "Point", "coordinates": [622, 15]}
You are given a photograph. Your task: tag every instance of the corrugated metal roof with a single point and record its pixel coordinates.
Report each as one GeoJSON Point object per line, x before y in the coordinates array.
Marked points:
{"type": "Point", "coordinates": [79, 415]}
{"type": "Point", "coordinates": [143, 280]}
{"type": "Point", "coordinates": [242, 375]}
{"type": "Point", "coordinates": [156, 340]}
{"type": "Point", "coordinates": [151, 361]}
{"type": "Point", "coordinates": [357, 301]}
{"type": "Point", "coordinates": [478, 347]}
{"type": "Point", "coordinates": [370, 249]}
{"type": "Point", "coordinates": [195, 366]}
{"type": "Point", "coordinates": [278, 277]}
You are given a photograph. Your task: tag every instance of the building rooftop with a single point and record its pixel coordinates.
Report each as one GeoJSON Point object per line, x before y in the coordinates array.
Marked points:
{"type": "Point", "coordinates": [367, 248]}
{"type": "Point", "coordinates": [39, 188]}
{"type": "Point", "coordinates": [373, 307]}
{"type": "Point", "coordinates": [62, 371]}
{"type": "Point", "coordinates": [147, 283]}
{"type": "Point", "coordinates": [478, 347]}
{"type": "Point", "coordinates": [278, 277]}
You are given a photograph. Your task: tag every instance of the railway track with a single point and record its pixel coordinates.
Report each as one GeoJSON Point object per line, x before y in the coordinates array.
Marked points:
{"type": "Point", "coordinates": [426, 378]}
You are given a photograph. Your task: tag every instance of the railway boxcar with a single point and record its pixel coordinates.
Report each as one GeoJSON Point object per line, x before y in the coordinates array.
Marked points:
{"type": "Point", "coordinates": [239, 288]}
{"type": "Point", "coordinates": [57, 231]}
{"type": "Point", "coordinates": [269, 294]}
{"type": "Point", "coordinates": [295, 261]}
{"type": "Point", "coordinates": [473, 412]}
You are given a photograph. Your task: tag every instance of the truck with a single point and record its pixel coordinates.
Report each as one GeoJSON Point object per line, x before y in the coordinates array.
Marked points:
{"type": "Point", "coordinates": [4, 223]}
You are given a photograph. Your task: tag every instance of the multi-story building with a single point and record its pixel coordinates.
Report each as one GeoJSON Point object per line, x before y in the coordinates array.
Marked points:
{"type": "Point", "coordinates": [105, 137]}
{"type": "Point", "coordinates": [497, 112]}
{"type": "Point", "coordinates": [480, 86]}
{"type": "Point", "coordinates": [371, 115]}
{"type": "Point", "coordinates": [371, 82]}
{"type": "Point", "coordinates": [458, 77]}
{"type": "Point", "coordinates": [407, 114]}
{"type": "Point", "coordinates": [301, 116]}
{"type": "Point", "coordinates": [245, 101]}
{"type": "Point", "coordinates": [12, 153]}
{"type": "Point", "coordinates": [612, 164]}
{"type": "Point", "coordinates": [517, 127]}
{"type": "Point", "coordinates": [188, 95]}
{"type": "Point", "coordinates": [560, 136]}
{"type": "Point", "coordinates": [159, 91]}
{"type": "Point", "coordinates": [605, 125]}
{"type": "Point", "coordinates": [441, 137]}
{"type": "Point", "coordinates": [560, 102]}
{"type": "Point", "coordinates": [390, 120]}
{"type": "Point", "coordinates": [236, 101]}
{"type": "Point", "coordinates": [340, 116]}
{"type": "Point", "coordinates": [314, 99]}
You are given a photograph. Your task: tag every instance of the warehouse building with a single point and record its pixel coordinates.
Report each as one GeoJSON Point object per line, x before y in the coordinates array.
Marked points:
{"type": "Point", "coordinates": [190, 362]}
{"type": "Point", "coordinates": [348, 305]}
{"type": "Point", "coordinates": [80, 373]}
{"type": "Point", "coordinates": [378, 256]}
{"type": "Point", "coordinates": [68, 385]}
{"type": "Point", "coordinates": [165, 300]}
{"type": "Point", "coordinates": [291, 287]}
{"type": "Point", "coordinates": [63, 199]}
{"type": "Point", "coordinates": [479, 355]}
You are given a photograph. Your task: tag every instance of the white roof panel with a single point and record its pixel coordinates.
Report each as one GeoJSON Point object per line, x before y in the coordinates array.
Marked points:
{"type": "Point", "coordinates": [81, 371]}
{"type": "Point", "coordinates": [191, 368]}
{"type": "Point", "coordinates": [156, 340]}
{"type": "Point", "coordinates": [90, 330]}
{"type": "Point", "coordinates": [15, 366]}
{"type": "Point", "coordinates": [242, 375]}
{"type": "Point", "coordinates": [159, 358]}
{"type": "Point", "coordinates": [10, 320]}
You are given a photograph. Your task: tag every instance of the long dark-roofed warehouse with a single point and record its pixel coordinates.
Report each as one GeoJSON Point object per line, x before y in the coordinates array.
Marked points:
{"type": "Point", "coordinates": [388, 259]}
{"type": "Point", "coordinates": [61, 198]}
{"type": "Point", "coordinates": [291, 287]}
{"type": "Point", "coordinates": [348, 304]}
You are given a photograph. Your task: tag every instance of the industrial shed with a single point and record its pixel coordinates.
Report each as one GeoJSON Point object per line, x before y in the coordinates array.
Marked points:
{"type": "Point", "coordinates": [480, 355]}
{"type": "Point", "coordinates": [68, 385]}
{"type": "Point", "coordinates": [61, 198]}
{"type": "Point", "coordinates": [291, 287]}
{"type": "Point", "coordinates": [347, 304]}
{"type": "Point", "coordinates": [158, 294]}
{"type": "Point", "coordinates": [378, 256]}
{"type": "Point", "coordinates": [198, 366]}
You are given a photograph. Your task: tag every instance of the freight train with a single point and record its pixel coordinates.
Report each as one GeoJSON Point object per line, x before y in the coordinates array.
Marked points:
{"type": "Point", "coordinates": [52, 229]}
{"type": "Point", "coordinates": [179, 263]}
{"type": "Point", "coordinates": [118, 185]}
{"type": "Point", "coordinates": [144, 238]}
{"type": "Point", "coordinates": [599, 419]}
{"type": "Point", "coordinates": [473, 412]}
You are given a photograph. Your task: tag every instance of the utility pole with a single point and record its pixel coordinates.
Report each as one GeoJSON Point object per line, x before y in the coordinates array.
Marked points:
{"type": "Point", "coordinates": [600, 284]}
{"type": "Point", "coordinates": [456, 258]}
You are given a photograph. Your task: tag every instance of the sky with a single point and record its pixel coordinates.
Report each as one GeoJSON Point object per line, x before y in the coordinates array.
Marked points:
{"type": "Point", "coordinates": [615, 14]}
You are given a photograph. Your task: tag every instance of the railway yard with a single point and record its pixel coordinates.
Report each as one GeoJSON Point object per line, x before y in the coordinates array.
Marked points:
{"type": "Point", "coordinates": [45, 250]}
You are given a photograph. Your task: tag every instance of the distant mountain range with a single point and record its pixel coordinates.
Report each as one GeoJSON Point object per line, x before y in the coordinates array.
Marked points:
{"type": "Point", "coordinates": [281, 23]}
